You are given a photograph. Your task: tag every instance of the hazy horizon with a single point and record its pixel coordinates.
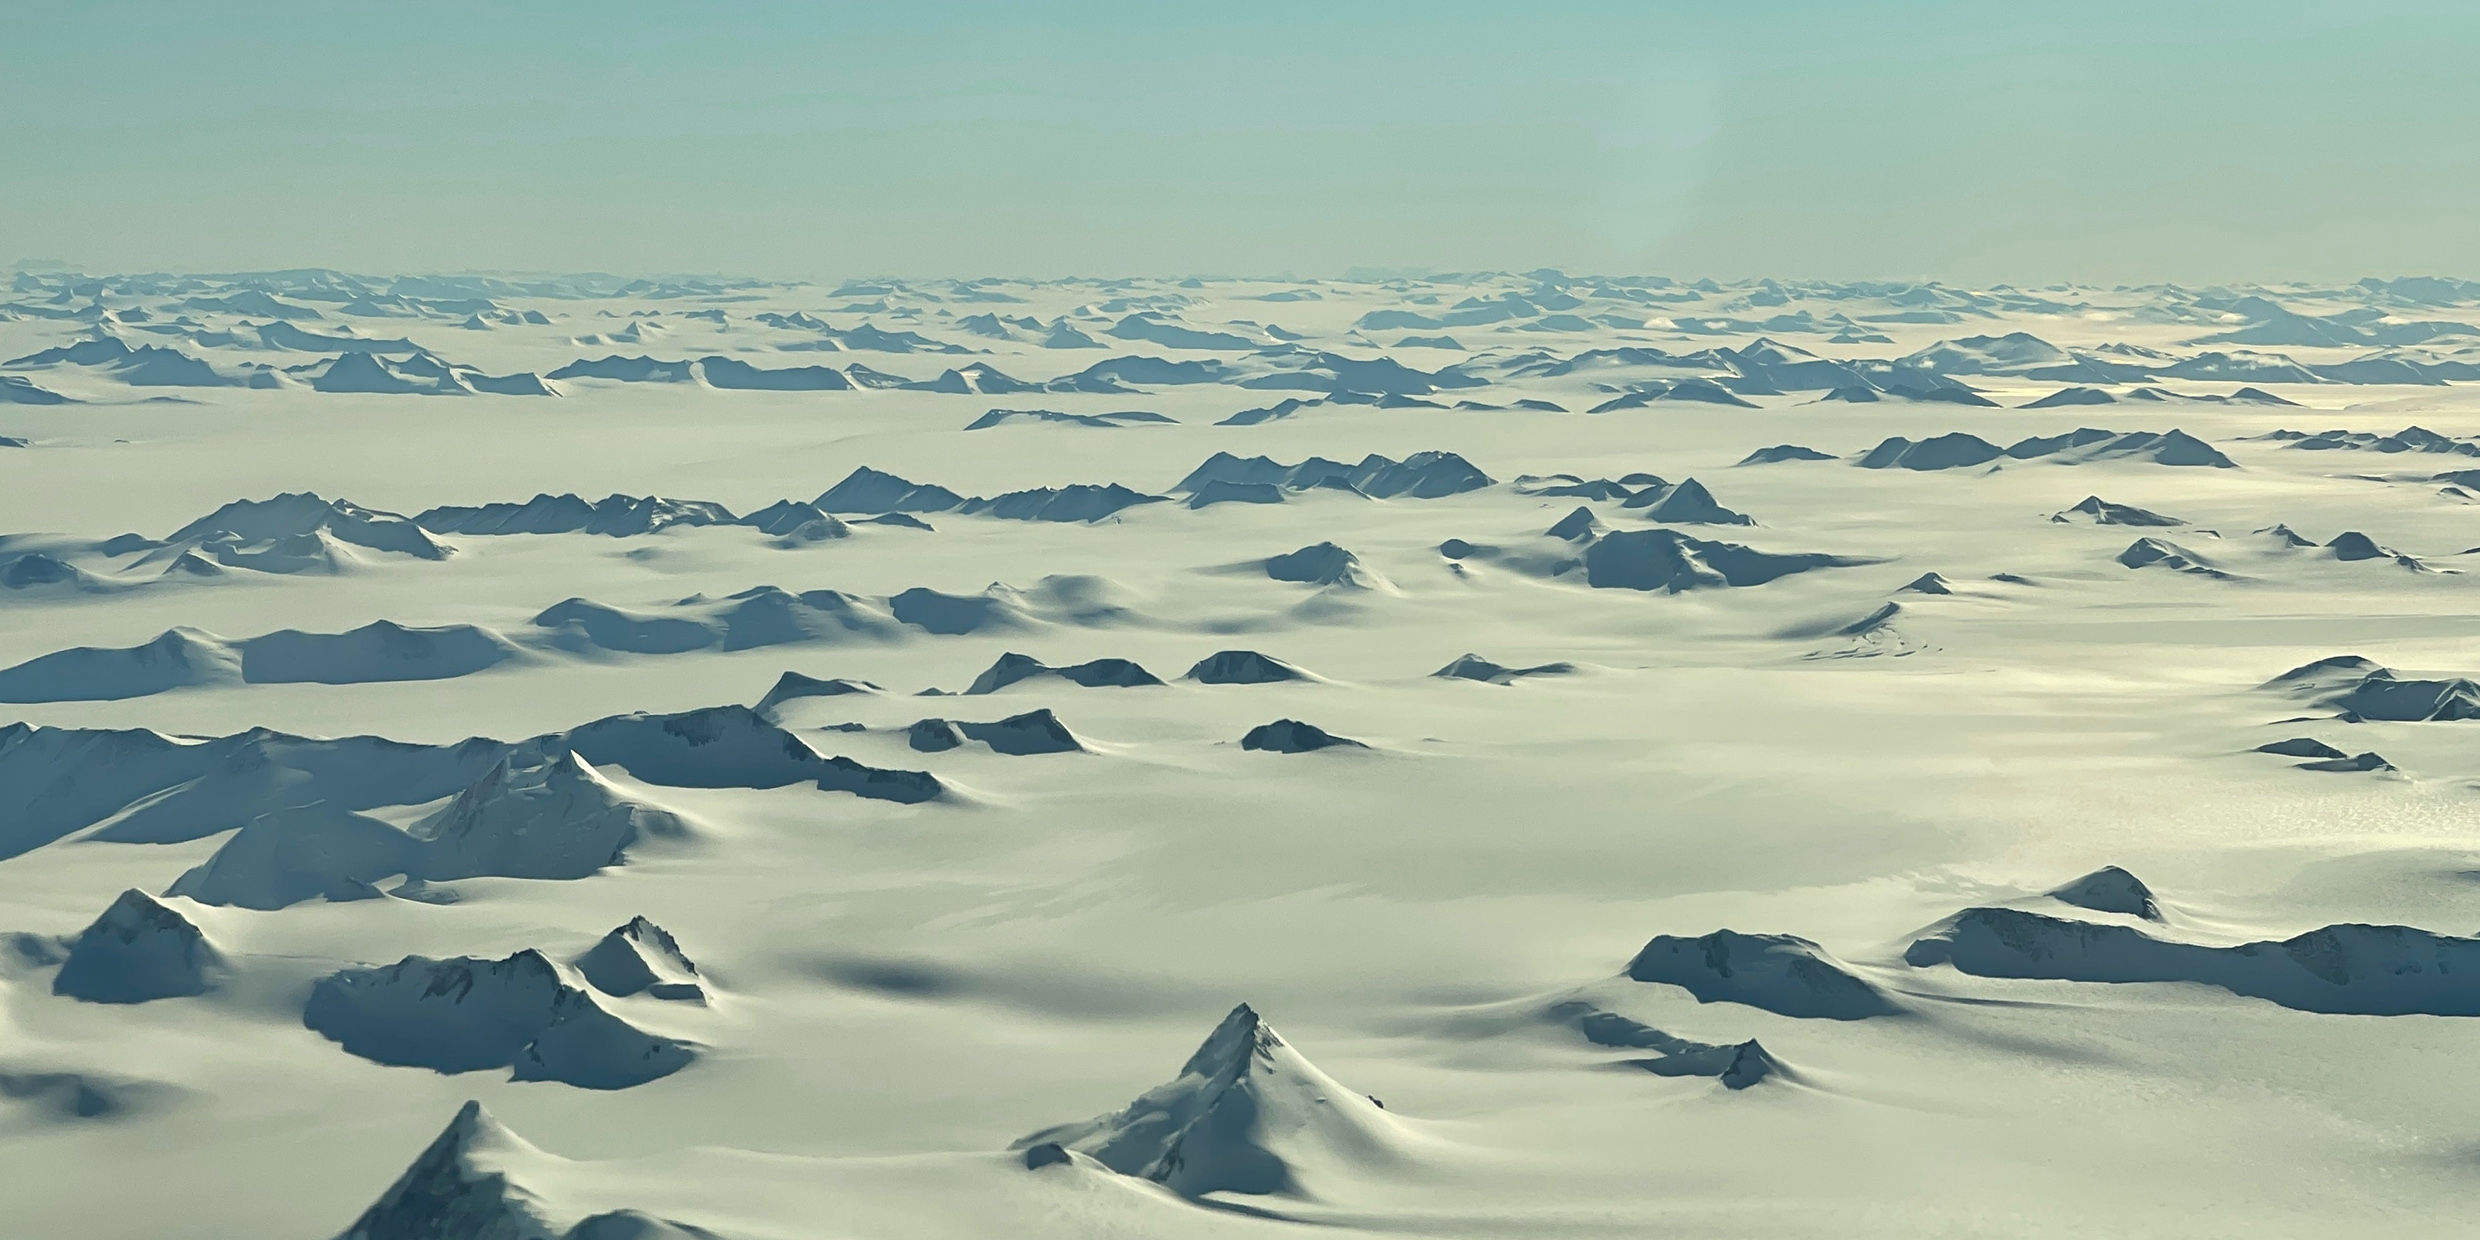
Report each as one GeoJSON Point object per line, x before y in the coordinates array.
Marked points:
{"type": "Point", "coordinates": [2110, 143]}
{"type": "Point", "coordinates": [1350, 275]}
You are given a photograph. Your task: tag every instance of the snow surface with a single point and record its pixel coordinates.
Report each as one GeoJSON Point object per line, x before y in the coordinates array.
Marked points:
{"type": "Point", "coordinates": [1904, 834]}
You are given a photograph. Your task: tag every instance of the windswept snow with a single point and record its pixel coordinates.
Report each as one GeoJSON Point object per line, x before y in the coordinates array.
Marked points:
{"type": "Point", "coordinates": [800, 756]}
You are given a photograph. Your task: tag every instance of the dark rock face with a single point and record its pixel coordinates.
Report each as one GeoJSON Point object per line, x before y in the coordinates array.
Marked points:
{"type": "Point", "coordinates": [1780, 973]}
{"type": "Point", "coordinates": [463, 1015]}
{"type": "Point", "coordinates": [1242, 667]}
{"type": "Point", "coordinates": [139, 950]}
{"type": "Point", "coordinates": [1293, 736]}
{"type": "Point", "coordinates": [1670, 561]}
{"type": "Point", "coordinates": [1034, 732]}
{"type": "Point", "coordinates": [2357, 969]}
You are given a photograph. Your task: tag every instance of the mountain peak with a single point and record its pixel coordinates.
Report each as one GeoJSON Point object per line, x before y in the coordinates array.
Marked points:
{"type": "Point", "coordinates": [1247, 1114]}
{"type": "Point", "coordinates": [460, 1185]}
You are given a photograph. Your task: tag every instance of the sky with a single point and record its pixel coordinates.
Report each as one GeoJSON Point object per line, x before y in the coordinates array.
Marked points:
{"type": "Point", "coordinates": [2106, 141]}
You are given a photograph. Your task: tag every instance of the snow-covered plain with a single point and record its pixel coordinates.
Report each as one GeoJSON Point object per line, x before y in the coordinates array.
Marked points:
{"type": "Point", "coordinates": [1882, 711]}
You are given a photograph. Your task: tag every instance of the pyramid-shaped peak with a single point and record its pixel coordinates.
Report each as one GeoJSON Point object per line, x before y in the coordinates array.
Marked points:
{"type": "Point", "coordinates": [642, 958]}
{"type": "Point", "coordinates": [135, 914]}
{"type": "Point", "coordinates": [2354, 545]}
{"type": "Point", "coordinates": [553, 817]}
{"type": "Point", "coordinates": [476, 1131]}
{"type": "Point", "coordinates": [1243, 667]}
{"type": "Point", "coordinates": [1247, 1114]}
{"type": "Point", "coordinates": [461, 1186]}
{"type": "Point", "coordinates": [1577, 526]}
{"type": "Point", "coordinates": [1469, 666]}
{"type": "Point", "coordinates": [1242, 1035]}
{"type": "Point", "coordinates": [1750, 1064]}
{"type": "Point", "coordinates": [557, 772]}
{"type": "Point", "coordinates": [793, 685]}
{"type": "Point", "coordinates": [2099, 511]}
{"type": "Point", "coordinates": [642, 930]}
{"type": "Point", "coordinates": [140, 949]}
{"type": "Point", "coordinates": [1688, 503]}
{"type": "Point", "coordinates": [2110, 890]}
{"type": "Point", "coordinates": [1928, 583]}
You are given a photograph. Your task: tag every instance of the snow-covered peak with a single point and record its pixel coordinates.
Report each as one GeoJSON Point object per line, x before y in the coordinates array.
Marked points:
{"type": "Point", "coordinates": [1246, 1114]}
{"type": "Point", "coordinates": [465, 1184]}
{"type": "Point", "coordinates": [642, 958]}
{"type": "Point", "coordinates": [556, 817]}
{"type": "Point", "coordinates": [139, 949]}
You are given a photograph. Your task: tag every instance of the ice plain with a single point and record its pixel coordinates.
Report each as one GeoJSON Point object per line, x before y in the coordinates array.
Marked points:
{"type": "Point", "coordinates": [1885, 716]}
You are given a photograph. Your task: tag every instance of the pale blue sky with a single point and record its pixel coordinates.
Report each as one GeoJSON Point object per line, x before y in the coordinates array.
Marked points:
{"type": "Point", "coordinates": [1982, 141]}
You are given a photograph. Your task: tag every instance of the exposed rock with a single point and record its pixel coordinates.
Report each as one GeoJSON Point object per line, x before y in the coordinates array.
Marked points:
{"type": "Point", "coordinates": [641, 958]}
{"type": "Point", "coordinates": [1247, 1114]}
{"type": "Point", "coordinates": [2300, 747]}
{"type": "Point", "coordinates": [793, 686]}
{"type": "Point", "coordinates": [1474, 667]}
{"type": "Point", "coordinates": [1670, 561]}
{"type": "Point", "coordinates": [1293, 736]}
{"type": "Point", "coordinates": [2356, 762]}
{"type": "Point", "coordinates": [1948, 451]}
{"type": "Point", "coordinates": [2362, 969]}
{"type": "Point", "coordinates": [1320, 564]}
{"type": "Point", "coordinates": [2110, 890]}
{"type": "Point", "coordinates": [1096, 674]}
{"type": "Point", "coordinates": [1242, 667]}
{"type": "Point", "coordinates": [1780, 973]}
{"type": "Point", "coordinates": [464, 1014]}
{"type": "Point", "coordinates": [2164, 554]}
{"type": "Point", "coordinates": [1736, 1065]}
{"type": "Point", "coordinates": [139, 950]}
{"type": "Point", "coordinates": [1034, 732]}
{"type": "Point", "coordinates": [1577, 526]}
{"type": "Point", "coordinates": [461, 1187]}
{"type": "Point", "coordinates": [2098, 511]}
{"type": "Point", "coordinates": [1688, 503]}
{"type": "Point", "coordinates": [1787, 452]}
{"type": "Point", "coordinates": [2360, 690]}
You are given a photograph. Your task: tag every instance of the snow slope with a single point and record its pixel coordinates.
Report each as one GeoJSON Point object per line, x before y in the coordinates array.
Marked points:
{"type": "Point", "coordinates": [1673, 813]}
